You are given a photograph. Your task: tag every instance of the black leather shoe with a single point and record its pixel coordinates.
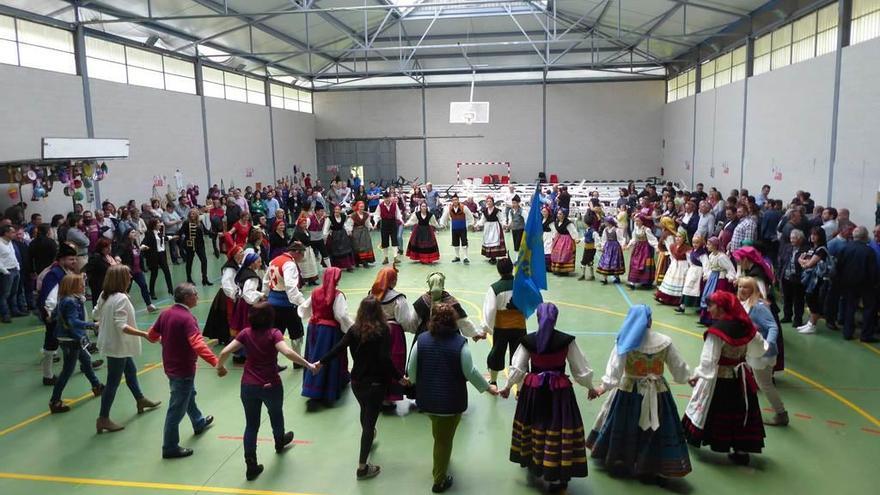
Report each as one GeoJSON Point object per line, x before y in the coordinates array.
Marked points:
{"type": "Point", "coordinates": [281, 443]}
{"type": "Point", "coordinates": [180, 452]}
{"type": "Point", "coordinates": [209, 421]}
{"type": "Point", "coordinates": [443, 485]}
{"type": "Point", "coordinates": [49, 381]}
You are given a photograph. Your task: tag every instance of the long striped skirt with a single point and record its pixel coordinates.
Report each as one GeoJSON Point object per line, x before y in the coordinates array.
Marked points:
{"type": "Point", "coordinates": [327, 385]}
{"type": "Point", "coordinates": [662, 266]}
{"type": "Point", "coordinates": [563, 254]}
{"type": "Point", "coordinates": [621, 443]}
{"type": "Point", "coordinates": [730, 426]}
{"type": "Point", "coordinates": [548, 432]}
{"type": "Point", "coordinates": [641, 264]}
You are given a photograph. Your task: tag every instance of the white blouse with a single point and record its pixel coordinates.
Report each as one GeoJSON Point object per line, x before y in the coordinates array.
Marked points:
{"type": "Point", "coordinates": [708, 367]}
{"type": "Point", "coordinates": [112, 315]}
{"type": "Point", "coordinates": [577, 363]}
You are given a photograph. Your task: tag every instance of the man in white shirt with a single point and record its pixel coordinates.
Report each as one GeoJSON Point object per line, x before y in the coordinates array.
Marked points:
{"type": "Point", "coordinates": [9, 276]}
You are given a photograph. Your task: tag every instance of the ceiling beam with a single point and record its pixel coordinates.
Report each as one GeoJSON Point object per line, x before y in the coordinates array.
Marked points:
{"type": "Point", "coordinates": [220, 8]}
{"type": "Point", "coordinates": [711, 8]}
{"type": "Point", "coordinates": [647, 34]}
{"type": "Point", "coordinates": [161, 28]}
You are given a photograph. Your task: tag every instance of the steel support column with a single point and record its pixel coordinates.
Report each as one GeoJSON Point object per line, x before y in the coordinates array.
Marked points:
{"type": "Point", "coordinates": [200, 89]}
{"type": "Point", "coordinates": [844, 19]}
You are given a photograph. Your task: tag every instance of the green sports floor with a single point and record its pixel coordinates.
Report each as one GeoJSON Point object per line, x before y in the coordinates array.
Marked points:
{"type": "Point", "coordinates": [831, 391]}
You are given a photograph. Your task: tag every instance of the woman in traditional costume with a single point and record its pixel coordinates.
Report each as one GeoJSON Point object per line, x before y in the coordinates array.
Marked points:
{"type": "Point", "coordinates": [638, 429]}
{"type": "Point", "coordinates": [548, 432]}
{"type": "Point", "coordinates": [611, 262]}
{"type": "Point", "coordinates": [220, 313]}
{"type": "Point", "coordinates": [400, 318]}
{"type": "Point", "coordinates": [547, 236]}
{"type": "Point", "coordinates": [337, 232]}
{"type": "Point", "coordinates": [723, 411]}
{"type": "Point", "coordinates": [360, 236]}
{"type": "Point", "coordinates": [641, 262]}
{"type": "Point", "coordinates": [670, 291]}
{"type": "Point", "coordinates": [327, 312]}
{"type": "Point", "coordinates": [697, 261]}
{"type": "Point", "coordinates": [493, 231]}
{"type": "Point", "coordinates": [719, 276]}
{"type": "Point", "coordinates": [250, 287]}
{"type": "Point", "coordinates": [422, 245]}
{"type": "Point", "coordinates": [308, 266]}
{"type": "Point", "coordinates": [668, 231]}
{"type": "Point", "coordinates": [565, 240]}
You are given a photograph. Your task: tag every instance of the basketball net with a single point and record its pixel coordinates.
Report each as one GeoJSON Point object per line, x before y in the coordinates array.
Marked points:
{"type": "Point", "coordinates": [469, 118]}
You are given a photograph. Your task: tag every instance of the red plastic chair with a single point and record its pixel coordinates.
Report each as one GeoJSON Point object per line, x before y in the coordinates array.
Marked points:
{"type": "Point", "coordinates": [487, 179]}
{"type": "Point", "coordinates": [505, 179]}
{"type": "Point", "coordinates": [554, 179]}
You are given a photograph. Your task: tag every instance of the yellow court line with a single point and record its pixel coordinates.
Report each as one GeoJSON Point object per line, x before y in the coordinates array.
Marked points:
{"type": "Point", "coordinates": [26, 332]}
{"type": "Point", "coordinates": [870, 347]}
{"type": "Point", "coordinates": [70, 402]}
{"type": "Point", "coordinates": [67, 480]}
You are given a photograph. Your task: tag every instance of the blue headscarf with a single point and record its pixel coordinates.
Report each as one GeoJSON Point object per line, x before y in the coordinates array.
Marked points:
{"type": "Point", "coordinates": [634, 328]}
{"type": "Point", "coordinates": [547, 315]}
{"type": "Point", "coordinates": [248, 260]}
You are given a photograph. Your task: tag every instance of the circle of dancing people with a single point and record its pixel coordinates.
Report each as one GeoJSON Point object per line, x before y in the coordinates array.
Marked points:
{"type": "Point", "coordinates": [727, 271]}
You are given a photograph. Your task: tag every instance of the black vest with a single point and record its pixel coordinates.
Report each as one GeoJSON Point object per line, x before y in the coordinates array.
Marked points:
{"type": "Point", "coordinates": [440, 384]}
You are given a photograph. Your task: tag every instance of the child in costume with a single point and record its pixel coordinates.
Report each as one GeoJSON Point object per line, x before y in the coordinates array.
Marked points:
{"type": "Point", "coordinates": [565, 239]}
{"type": "Point", "coordinates": [611, 261]}
{"type": "Point", "coordinates": [638, 429]}
{"type": "Point", "coordinates": [697, 260]}
{"type": "Point", "coordinates": [668, 230]}
{"type": "Point", "coordinates": [672, 287]}
{"type": "Point", "coordinates": [641, 262]}
{"type": "Point", "coordinates": [589, 254]}
{"type": "Point", "coordinates": [719, 275]}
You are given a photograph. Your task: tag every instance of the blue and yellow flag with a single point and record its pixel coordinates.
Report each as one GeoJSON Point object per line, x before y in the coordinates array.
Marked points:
{"type": "Point", "coordinates": [530, 277]}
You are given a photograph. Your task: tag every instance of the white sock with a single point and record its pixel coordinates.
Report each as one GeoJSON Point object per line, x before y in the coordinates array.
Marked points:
{"type": "Point", "coordinates": [385, 252]}
{"type": "Point", "coordinates": [457, 251]}
{"type": "Point", "coordinates": [465, 251]}
{"type": "Point", "coordinates": [493, 376]}
{"type": "Point", "coordinates": [46, 363]}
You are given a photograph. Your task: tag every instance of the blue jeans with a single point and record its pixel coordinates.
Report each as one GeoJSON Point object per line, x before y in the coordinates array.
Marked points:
{"type": "Point", "coordinates": [141, 282]}
{"type": "Point", "coordinates": [9, 293]}
{"type": "Point", "coordinates": [116, 367]}
{"type": "Point", "coordinates": [252, 398]}
{"type": "Point", "coordinates": [182, 402]}
{"type": "Point", "coordinates": [73, 352]}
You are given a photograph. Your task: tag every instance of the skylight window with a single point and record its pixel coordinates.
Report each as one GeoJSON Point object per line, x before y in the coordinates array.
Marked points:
{"type": "Point", "coordinates": [429, 8]}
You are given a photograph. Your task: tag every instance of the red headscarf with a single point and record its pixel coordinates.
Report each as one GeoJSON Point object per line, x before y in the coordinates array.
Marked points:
{"type": "Point", "coordinates": [385, 280]}
{"type": "Point", "coordinates": [734, 326]}
{"type": "Point", "coordinates": [230, 254]}
{"type": "Point", "coordinates": [324, 295]}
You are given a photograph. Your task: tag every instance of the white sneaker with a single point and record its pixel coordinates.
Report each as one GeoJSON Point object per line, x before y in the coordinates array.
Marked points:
{"type": "Point", "coordinates": [151, 308]}
{"type": "Point", "coordinates": [807, 329]}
